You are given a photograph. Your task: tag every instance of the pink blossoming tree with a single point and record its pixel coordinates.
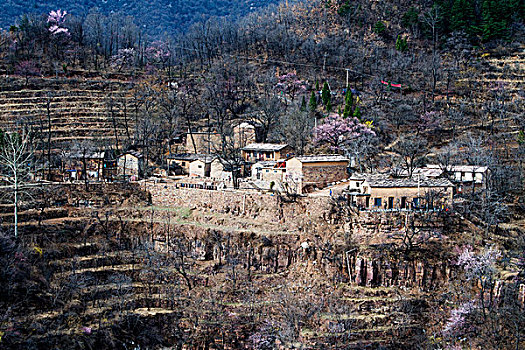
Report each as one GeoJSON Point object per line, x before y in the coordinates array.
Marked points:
{"type": "Point", "coordinates": [291, 85]}
{"type": "Point", "coordinates": [56, 20]}
{"type": "Point", "coordinates": [158, 52]}
{"type": "Point", "coordinates": [339, 132]}
{"type": "Point", "coordinates": [481, 270]}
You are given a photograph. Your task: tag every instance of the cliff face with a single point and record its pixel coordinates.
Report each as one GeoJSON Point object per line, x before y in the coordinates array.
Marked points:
{"type": "Point", "coordinates": [368, 249]}
{"type": "Point", "coordinates": [205, 268]}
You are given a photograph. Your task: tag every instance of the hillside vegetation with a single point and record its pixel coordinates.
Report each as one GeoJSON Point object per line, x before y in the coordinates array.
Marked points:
{"type": "Point", "coordinates": [397, 84]}
{"type": "Point", "coordinates": [155, 17]}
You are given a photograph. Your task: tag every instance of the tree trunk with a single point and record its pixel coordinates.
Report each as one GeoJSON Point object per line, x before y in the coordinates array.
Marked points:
{"type": "Point", "coordinates": [16, 205]}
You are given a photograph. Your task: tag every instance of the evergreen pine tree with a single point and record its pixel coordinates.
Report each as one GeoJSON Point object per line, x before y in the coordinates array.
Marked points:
{"type": "Point", "coordinates": [325, 94]}
{"type": "Point", "coordinates": [313, 102]}
{"type": "Point", "coordinates": [349, 103]}
{"type": "Point", "coordinates": [357, 112]}
{"type": "Point", "coordinates": [496, 16]}
{"type": "Point", "coordinates": [303, 104]}
{"type": "Point", "coordinates": [520, 138]}
{"type": "Point", "coordinates": [463, 17]}
{"type": "Point", "coordinates": [329, 106]}
{"type": "Point", "coordinates": [401, 44]}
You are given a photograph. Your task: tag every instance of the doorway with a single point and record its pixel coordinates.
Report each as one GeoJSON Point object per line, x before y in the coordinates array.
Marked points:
{"type": "Point", "coordinates": [403, 202]}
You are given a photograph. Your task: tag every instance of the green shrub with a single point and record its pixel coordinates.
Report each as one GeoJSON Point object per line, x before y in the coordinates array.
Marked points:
{"type": "Point", "coordinates": [401, 44]}
{"type": "Point", "coordinates": [344, 9]}
{"type": "Point", "coordinates": [380, 28]}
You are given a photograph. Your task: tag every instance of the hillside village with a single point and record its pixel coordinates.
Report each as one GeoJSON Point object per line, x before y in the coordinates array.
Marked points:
{"type": "Point", "coordinates": [319, 174]}
{"type": "Point", "coordinates": [274, 168]}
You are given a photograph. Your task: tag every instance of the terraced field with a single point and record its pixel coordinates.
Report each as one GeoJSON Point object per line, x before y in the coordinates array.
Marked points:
{"type": "Point", "coordinates": [95, 111]}
{"type": "Point", "coordinates": [104, 277]}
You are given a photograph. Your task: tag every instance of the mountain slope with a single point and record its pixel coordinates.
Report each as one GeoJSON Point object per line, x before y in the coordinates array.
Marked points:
{"type": "Point", "coordinates": [155, 16]}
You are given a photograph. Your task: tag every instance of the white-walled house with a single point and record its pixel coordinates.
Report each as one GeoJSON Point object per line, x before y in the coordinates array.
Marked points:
{"type": "Point", "coordinates": [130, 164]}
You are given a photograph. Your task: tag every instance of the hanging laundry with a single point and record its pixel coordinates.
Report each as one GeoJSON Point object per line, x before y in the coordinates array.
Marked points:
{"type": "Point", "coordinates": [399, 86]}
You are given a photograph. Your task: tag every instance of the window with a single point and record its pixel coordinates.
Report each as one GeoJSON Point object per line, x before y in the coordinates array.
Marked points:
{"type": "Point", "coordinates": [183, 163]}
{"type": "Point", "coordinates": [377, 202]}
{"type": "Point", "coordinates": [357, 184]}
{"type": "Point", "coordinates": [200, 166]}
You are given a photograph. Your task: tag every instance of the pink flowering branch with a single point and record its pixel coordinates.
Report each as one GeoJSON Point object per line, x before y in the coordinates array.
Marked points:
{"type": "Point", "coordinates": [158, 51]}
{"type": "Point", "coordinates": [338, 132]}
{"type": "Point", "coordinates": [56, 20]}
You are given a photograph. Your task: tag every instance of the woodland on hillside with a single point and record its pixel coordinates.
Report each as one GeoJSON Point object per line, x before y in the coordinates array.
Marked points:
{"type": "Point", "coordinates": [391, 84]}
{"type": "Point", "coordinates": [154, 17]}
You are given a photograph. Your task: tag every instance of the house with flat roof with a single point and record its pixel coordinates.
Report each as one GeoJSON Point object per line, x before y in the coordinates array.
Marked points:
{"type": "Point", "coordinates": [316, 170]}
{"type": "Point", "coordinates": [201, 167]}
{"type": "Point", "coordinates": [181, 161]}
{"type": "Point", "coordinates": [94, 166]}
{"type": "Point", "coordinates": [383, 191]}
{"type": "Point", "coordinates": [256, 152]}
{"type": "Point", "coordinates": [464, 175]}
{"type": "Point", "coordinates": [130, 164]}
{"type": "Point", "coordinates": [269, 174]}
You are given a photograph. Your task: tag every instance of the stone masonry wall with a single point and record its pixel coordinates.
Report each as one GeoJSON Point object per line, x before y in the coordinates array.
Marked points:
{"type": "Point", "coordinates": [324, 174]}
{"type": "Point", "coordinates": [309, 226]}
{"type": "Point", "coordinates": [260, 207]}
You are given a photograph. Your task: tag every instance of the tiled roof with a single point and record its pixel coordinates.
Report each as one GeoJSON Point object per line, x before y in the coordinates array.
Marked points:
{"type": "Point", "coordinates": [268, 147]}
{"type": "Point", "coordinates": [89, 155]}
{"type": "Point", "coordinates": [383, 180]}
{"type": "Point", "coordinates": [133, 153]}
{"type": "Point", "coordinates": [463, 168]}
{"type": "Point", "coordinates": [265, 163]}
{"type": "Point", "coordinates": [184, 156]}
{"type": "Point", "coordinates": [426, 171]}
{"type": "Point", "coordinates": [322, 158]}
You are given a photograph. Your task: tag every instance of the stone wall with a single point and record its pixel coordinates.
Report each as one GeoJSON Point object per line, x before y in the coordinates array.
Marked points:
{"type": "Point", "coordinates": [324, 174]}
{"type": "Point", "coordinates": [275, 235]}
{"type": "Point", "coordinates": [260, 207]}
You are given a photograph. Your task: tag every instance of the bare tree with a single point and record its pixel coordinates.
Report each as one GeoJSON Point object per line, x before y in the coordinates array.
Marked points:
{"type": "Point", "coordinates": [229, 155]}
{"type": "Point", "coordinates": [432, 19]}
{"type": "Point", "coordinates": [270, 108]}
{"type": "Point", "coordinates": [412, 151]}
{"type": "Point", "coordinates": [296, 129]}
{"type": "Point", "coordinates": [16, 153]}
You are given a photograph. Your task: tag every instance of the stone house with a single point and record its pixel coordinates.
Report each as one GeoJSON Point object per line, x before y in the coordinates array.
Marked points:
{"type": "Point", "coordinates": [244, 134]}
{"type": "Point", "coordinates": [202, 142]}
{"type": "Point", "coordinates": [466, 175]}
{"type": "Point", "coordinates": [181, 161]}
{"type": "Point", "coordinates": [219, 171]}
{"type": "Point", "coordinates": [269, 174]}
{"type": "Point", "coordinates": [382, 191]}
{"type": "Point", "coordinates": [315, 171]}
{"type": "Point", "coordinates": [130, 164]}
{"type": "Point", "coordinates": [201, 167]}
{"type": "Point", "coordinates": [462, 176]}
{"type": "Point", "coordinates": [95, 166]}
{"type": "Point", "coordinates": [266, 152]}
